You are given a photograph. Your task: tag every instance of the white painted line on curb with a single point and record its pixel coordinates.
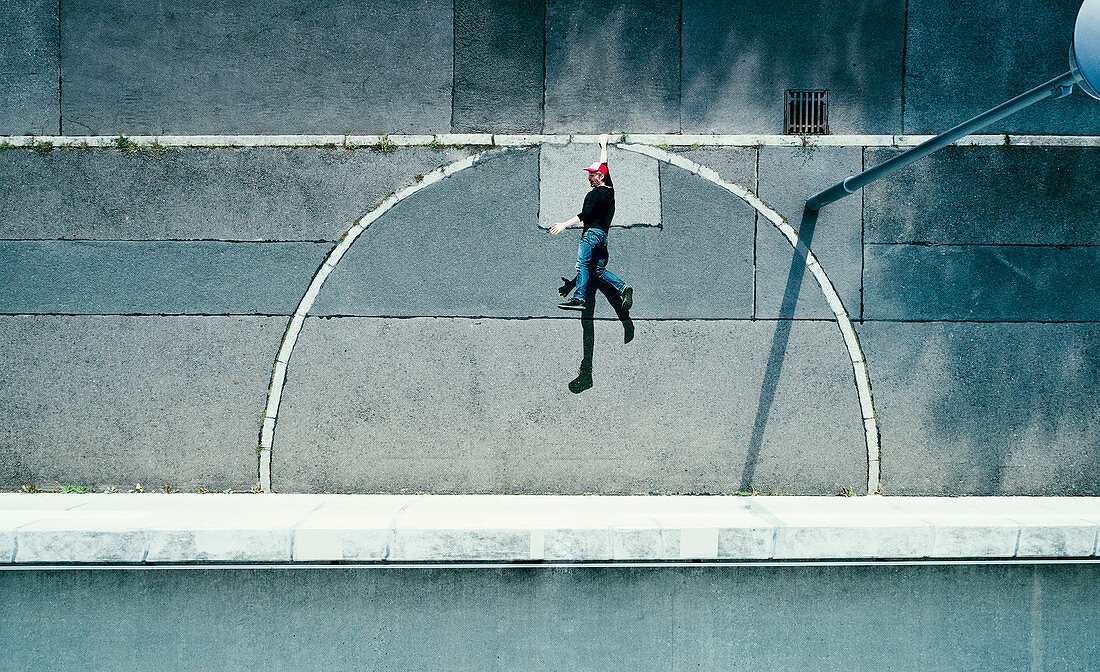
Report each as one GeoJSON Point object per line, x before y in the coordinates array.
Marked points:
{"type": "Point", "coordinates": [851, 342]}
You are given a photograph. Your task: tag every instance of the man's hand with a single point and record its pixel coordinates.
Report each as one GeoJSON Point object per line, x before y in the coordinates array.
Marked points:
{"type": "Point", "coordinates": [558, 228]}
{"type": "Point", "coordinates": [603, 141]}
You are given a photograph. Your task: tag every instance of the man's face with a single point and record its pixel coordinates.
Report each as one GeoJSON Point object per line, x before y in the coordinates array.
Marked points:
{"type": "Point", "coordinates": [595, 178]}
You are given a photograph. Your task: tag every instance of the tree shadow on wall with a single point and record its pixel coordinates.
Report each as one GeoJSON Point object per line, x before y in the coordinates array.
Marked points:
{"type": "Point", "coordinates": [583, 381]}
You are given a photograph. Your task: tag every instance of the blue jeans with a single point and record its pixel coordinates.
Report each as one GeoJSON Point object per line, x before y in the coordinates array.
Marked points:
{"type": "Point", "coordinates": [592, 252]}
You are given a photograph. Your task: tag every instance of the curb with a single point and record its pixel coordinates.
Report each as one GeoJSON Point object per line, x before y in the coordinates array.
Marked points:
{"type": "Point", "coordinates": [154, 528]}
{"type": "Point", "coordinates": [513, 140]}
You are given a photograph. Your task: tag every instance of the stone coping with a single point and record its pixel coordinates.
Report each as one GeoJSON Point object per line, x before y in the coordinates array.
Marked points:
{"type": "Point", "coordinates": [513, 140]}
{"type": "Point", "coordinates": [186, 528]}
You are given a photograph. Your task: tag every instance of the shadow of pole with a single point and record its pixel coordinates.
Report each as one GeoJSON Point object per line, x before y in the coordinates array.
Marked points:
{"type": "Point", "coordinates": [779, 346]}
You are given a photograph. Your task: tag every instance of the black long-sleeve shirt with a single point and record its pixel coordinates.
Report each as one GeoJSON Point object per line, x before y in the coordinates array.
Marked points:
{"type": "Point", "coordinates": [598, 209]}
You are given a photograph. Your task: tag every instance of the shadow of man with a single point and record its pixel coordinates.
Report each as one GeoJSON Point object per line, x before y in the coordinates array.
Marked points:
{"type": "Point", "coordinates": [583, 381]}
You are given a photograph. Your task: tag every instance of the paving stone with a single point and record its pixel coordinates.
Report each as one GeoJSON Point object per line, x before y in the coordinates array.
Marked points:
{"type": "Point", "coordinates": [461, 406]}
{"type": "Point", "coordinates": [991, 195]}
{"type": "Point", "coordinates": [155, 277]}
{"type": "Point", "coordinates": [703, 253]}
{"type": "Point", "coordinates": [612, 66]}
{"type": "Point", "coordinates": [733, 164]}
{"type": "Point", "coordinates": [788, 177]}
{"type": "Point", "coordinates": [739, 58]}
{"type": "Point", "coordinates": [972, 282]}
{"type": "Point", "coordinates": [104, 402]}
{"type": "Point", "coordinates": [260, 193]}
{"type": "Point", "coordinates": [563, 184]}
{"type": "Point", "coordinates": [230, 66]}
{"type": "Point", "coordinates": [29, 103]}
{"type": "Point", "coordinates": [986, 409]}
{"type": "Point", "coordinates": [965, 58]}
{"type": "Point", "coordinates": [499, 61]}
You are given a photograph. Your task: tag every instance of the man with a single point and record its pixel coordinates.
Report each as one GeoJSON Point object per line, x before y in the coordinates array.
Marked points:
{"type": "Point", "coordinates": [596, 215]}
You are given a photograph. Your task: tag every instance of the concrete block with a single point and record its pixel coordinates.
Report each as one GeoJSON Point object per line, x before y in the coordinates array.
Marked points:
{"type": "Point", "coordinates": [612, 66]}
{"type": "Point", "coordinates": [747, 543]}
{"type": "Point", "coordinates": [201, 193]}
{"type": "Point", "coordinates": [739, 58]}
{"type": "Point", "coordinates": [972, 539]}
{"type": "Point", "coordinates": [29, 96]}
{"type": "Point", "coordinates": [994, 283]}
{"type": "Point", "coordinates": [699, 543]}
{"type": "Point", "coordinates": [986, 409]}
{"type": "Point", "coordinates": [318, 545]}
{"type": "Point", "coordinates": [109, 401]}
{"type": "Point", "coordinates": [1057, 540]}
{"type": "Point", "coordinates": [498, 66]}
{"type": "Point", "coordinates": [411, 140]}
{"type": "Point", "coordinates": [803, 538]}
{"type": "Point", "coordinates": [139, 277]}
{"type": "Point", "coordinates": [365, 410]}
{"type": "Point", "coordinates": [643, 543]}
{"type": "Point", "coordinates": [987, 195]}
{"type": "Point", "coordinates": [733, 164]}
{"type": "Point", "coordinates": [227, 66]}
{"type": "Point", "coordinates": [578, 544]}
{"type": "Point", "coordinates": [60, 543]}
{"type": "Point", "coordinates": [997, 51]}
{"type": "Point", "coordinates": [264, 545]}
{"type": "Point", "coordinates": [460, 544]}
{"type": "Point", "coordinates": [7, 546]}
{"type": "Point", "coordinates": [563, 184]}
{"type": "Point", "coordinates": [787, 178]}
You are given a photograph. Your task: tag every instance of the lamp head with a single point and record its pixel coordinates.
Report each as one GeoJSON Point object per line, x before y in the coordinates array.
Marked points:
{"type": "Point", "coordinates": [1084, 52]}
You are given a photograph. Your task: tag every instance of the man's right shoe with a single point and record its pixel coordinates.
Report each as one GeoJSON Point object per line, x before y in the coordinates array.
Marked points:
{"type": "Point", "coordinates": [572, 304]}
{"type": "Point", "coordinates": [628, 297]}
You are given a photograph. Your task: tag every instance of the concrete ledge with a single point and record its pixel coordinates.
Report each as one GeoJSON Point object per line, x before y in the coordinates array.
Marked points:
{"type": "Point", "coordinates": [505, 140]}
{"type": "Point", "coordinates": [129, 528]}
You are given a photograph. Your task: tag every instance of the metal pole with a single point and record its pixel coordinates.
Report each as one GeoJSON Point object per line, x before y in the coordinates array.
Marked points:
{"type": "Point", "coordinates": [1059, 86]}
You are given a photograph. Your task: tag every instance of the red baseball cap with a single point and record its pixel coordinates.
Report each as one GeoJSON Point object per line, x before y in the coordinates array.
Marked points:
{"type": "Point", "coordinates": [597, 168]}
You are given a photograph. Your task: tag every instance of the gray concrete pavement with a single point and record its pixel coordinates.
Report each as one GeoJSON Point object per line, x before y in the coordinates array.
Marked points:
{"type": "Point", "coordinates": [788, 176]}
{"type": "Point", "coordinates": [470, 245]}
{"type": "Point", "coordinates": [499, 61]}
{"type": "Point", "coordinates": [612, 66]}
{"type": "Point", "coordinates": [225, 66]}
{"type": "Point", "coordinates": [1010, 196]}
{"type": "Point", "coordinates": [262, 193]}
{"type": "Point", "coordinates": [155, 277]}
{"type": "Point", "coordinates": [462, 406]}
{"type": "Point", "coordinates": [29, 68]}
{"type": "Point", "coordinates": [740, 56]}
{"type": "Point", "coordinates": [963, 58]}
{"type": "Point", "coordinates": [1005, 409]}
{"type": "Point", "coordinates": [982, 283]}
{"type": "Point", "coordinates": [986, 617]}
{"type": "Point", "coordinates": [102, 401]}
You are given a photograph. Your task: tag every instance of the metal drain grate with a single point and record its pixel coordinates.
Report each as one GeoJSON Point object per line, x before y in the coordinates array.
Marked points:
{"type": "Point", "coordinates": [806, 113]}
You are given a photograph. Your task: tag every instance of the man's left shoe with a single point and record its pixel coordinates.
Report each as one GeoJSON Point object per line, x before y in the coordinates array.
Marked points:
{"type": "Point", "coordinates": [572, 304]}
{"type": "Point", "coordinates": [628, 297]}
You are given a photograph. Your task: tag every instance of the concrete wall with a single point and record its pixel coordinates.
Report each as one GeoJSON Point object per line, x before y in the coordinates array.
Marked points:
{"type": "Point", "coordinates": [225, 66]}
{"type": "Point", "coordinates": [991, 617]}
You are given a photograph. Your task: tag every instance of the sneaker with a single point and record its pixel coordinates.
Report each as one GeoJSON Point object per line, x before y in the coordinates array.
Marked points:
{"type": "Point", "coordinates": [572, 304]}
{"type": "Point", "coordinates": [628, 297]}
{"type": "Point", "coordinates": [582, 382]}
